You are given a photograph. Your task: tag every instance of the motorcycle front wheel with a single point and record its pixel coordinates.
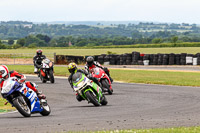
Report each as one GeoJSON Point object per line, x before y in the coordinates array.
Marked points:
{"type": "Point", "coordinates": [52, 80]}
{"type": "Point", "coordinates": [46, 109]}
{"type": "Point", "coordinates": [92, 98]}
{"type": "Point", "coordinates": [106, 85]}
{"type": "Point", "coordinates": [21, 105]}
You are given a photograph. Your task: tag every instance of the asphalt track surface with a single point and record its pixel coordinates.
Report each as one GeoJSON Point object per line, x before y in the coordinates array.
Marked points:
{"type": "Point", "coordinates": [132, 106]}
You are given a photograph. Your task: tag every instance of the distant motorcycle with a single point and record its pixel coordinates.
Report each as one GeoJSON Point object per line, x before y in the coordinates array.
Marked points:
{"type": "Point", "coordinates": [46, 71]}
{"type": "Point", "coordinates": [103, 79]}
{"type": "Point", "coordinates": [88, 90]}
{"type": "Point", "coordinates": [24, 99]}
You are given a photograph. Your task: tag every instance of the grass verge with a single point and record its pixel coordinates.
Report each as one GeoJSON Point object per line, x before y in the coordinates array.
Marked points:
{"type": "Point", "coordinates": [4, 108]}
{"type": "Point", "coordinates": [132, 76]}
{"type": "Point", "coordinates": [156, 130]}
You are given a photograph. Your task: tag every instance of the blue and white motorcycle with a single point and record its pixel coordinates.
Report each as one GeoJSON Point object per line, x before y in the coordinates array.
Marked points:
{"type": "Point", "coordinates": [24, 99]}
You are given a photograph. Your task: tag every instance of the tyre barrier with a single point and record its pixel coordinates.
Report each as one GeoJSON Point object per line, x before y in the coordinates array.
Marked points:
{"type": "Point", "coordinates": [66, 59]}
{"type": "Point", "coordinates": [135, 58]}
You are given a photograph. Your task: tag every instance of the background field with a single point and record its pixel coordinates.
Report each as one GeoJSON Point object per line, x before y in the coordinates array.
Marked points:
{"type": "Point", "coordinates": [62, 51]}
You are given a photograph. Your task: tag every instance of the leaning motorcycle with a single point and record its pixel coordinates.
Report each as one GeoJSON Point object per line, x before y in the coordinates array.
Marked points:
{"type": "Point", "coordinates": [103, 79]}
{"type": "Point", "coordinates": [46, 71]}
{"type": "Point", "coordinates": [24, 99]}
{"type": "Point", "coordinates": [88, 90]}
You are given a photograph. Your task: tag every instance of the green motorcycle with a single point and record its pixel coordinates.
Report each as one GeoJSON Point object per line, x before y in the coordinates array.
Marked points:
{"type": "Point", "coordinates": [88, 90]}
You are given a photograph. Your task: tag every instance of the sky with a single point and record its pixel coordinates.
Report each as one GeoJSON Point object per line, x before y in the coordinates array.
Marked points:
{"type": "Point", "coordinates": [170, 11]}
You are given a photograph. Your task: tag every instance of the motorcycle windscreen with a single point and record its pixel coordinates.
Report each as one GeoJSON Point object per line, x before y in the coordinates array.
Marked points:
{"type": "Point", "coordinates": [76, 77]}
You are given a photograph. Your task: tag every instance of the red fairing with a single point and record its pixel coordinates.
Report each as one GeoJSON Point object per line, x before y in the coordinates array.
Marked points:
{"type": "Point", "coordinates": [91, 67]}
{"type": "Point", "coordinates": [98, 72]}
{"type": "Point", "coordinates": [42, 73]}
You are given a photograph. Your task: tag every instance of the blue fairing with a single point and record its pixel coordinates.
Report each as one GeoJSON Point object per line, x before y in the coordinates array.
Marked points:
{"type": "Point", "coordinates": [30, 94]}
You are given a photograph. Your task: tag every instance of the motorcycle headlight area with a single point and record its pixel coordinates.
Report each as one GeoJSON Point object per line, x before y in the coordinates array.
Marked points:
{"type": "Point", "coordinates": [80, 84]}
{"type": "Point", "coordinates": [50, 64]}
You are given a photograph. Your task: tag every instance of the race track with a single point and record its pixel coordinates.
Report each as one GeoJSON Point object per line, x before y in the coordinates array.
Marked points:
{"type": "Point", "coordinates": [131, 106]}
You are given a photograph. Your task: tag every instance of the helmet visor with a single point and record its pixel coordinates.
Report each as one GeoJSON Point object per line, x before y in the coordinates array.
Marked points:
{"type": "Point", "coordinates": [90, 63]}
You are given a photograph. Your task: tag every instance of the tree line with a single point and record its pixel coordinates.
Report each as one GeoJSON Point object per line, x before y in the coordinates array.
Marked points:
{"type": "Point", "coordinates": [27, 34]}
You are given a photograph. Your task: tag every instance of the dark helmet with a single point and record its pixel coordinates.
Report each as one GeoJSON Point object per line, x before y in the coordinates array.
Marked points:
{"type": "Point", "coordinates": [90, 60]}
{"type": "Point", "coordinates": [39, 52]}
{"type": "Point", "coordinates": [72, 67]}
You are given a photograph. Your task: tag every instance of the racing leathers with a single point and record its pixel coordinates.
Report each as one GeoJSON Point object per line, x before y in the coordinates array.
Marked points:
{"type": "Point", "coordinates": [97, 64]}
{"type": "Point", "coordinates": [37, 61]}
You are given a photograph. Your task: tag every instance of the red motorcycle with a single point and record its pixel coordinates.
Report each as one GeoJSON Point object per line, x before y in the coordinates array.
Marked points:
{"type": "Point", "coordinates": [103, 79]}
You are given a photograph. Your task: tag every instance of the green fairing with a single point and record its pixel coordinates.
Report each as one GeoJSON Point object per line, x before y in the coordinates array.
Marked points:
{"type": "Point", "coordinates": [93, 89]}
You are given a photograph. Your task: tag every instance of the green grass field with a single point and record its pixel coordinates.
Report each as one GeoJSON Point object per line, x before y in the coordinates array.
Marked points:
{"type": "Point", "coordinates": [83, 52]}
{"type": "Point", "coordinates": [5, 108]}
{"type": "Point", "coordinates": [156, 130]}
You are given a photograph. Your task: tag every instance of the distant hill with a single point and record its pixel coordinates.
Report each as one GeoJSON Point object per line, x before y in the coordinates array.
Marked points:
{"type": "Point", "coordinates": [90, 22]}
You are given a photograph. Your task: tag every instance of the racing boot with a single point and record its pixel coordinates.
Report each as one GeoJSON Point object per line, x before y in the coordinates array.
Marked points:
{"type": "Point", "coordinates": [40, 95]}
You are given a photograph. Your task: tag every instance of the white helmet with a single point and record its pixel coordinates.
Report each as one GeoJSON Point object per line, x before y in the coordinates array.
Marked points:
{"type": "Point", "coordinates": [3, 71]}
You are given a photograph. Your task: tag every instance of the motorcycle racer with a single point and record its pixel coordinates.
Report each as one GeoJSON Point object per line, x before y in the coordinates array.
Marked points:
{"type": "Point", "coordinates": [37, 60]}
{"type": "Point", "coordinates": [90, 63]}
{"type": "Point", "coordinates": [4, 74]}
{"type": "Point", "coordinates": [72, 68]}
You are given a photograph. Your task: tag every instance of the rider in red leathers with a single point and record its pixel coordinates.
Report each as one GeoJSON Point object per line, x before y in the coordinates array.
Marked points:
{"type": "Point", "coordinates": [4, 74]}
{"type": "Point", "coordinates": [90, 63]}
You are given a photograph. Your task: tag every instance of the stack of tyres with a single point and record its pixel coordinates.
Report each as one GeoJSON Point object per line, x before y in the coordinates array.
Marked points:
{"type": "Point", "coordinates": [177, 59]}
{"type": "Point", "coordinates": [198, 58]}
{"type": "Point", "coordinates": [118, 60]}
{"type": "Point", "coordinates": [121, 59]}
{"type": "Point", "coordinates": [107, 60]}
{"type": "Point", "coordinates": [171, 59]}
{"type": "Point", "coordinates": [128, 59]}
{"type": "Point", "coordinates": [155, 59]}
{"type": "Point", "coordinates": [165, 59]}
{"type": "Point", "coordinates": [151, 59]}
{"type": "Point", "coordinates": [183, 59]}
{"type": "Point", "coordinates": [135, 58]}
{"type": "Point", "coordinates": [96, 57]}
{"type": "Point", "coordinates": [101, 59]}
{"type": "Point", "coordinates": [124, 59]}
{"type": "Point", "coordinates": [160, 59]}
{"type": "Point", "coordinates": [113, 60]}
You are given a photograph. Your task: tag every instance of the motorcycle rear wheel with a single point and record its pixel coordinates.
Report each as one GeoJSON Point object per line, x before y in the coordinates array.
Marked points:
{"type": "Point", "coordinates": [21, 105]}
{"type": "Point", "coordinates": [93, 99]}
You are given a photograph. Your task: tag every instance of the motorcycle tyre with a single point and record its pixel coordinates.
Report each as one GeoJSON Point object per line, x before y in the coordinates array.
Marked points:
{"type": "Point", "coordinates": [92, 98]}
{"type": "Point", "coordinates": [42, 79]}
{"type": "Point", "coordinates": [105, 84]}
{"type": "Point", "coordinates": [20, 109]}
{"type": "Point", "coordinates": [52, 80]}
